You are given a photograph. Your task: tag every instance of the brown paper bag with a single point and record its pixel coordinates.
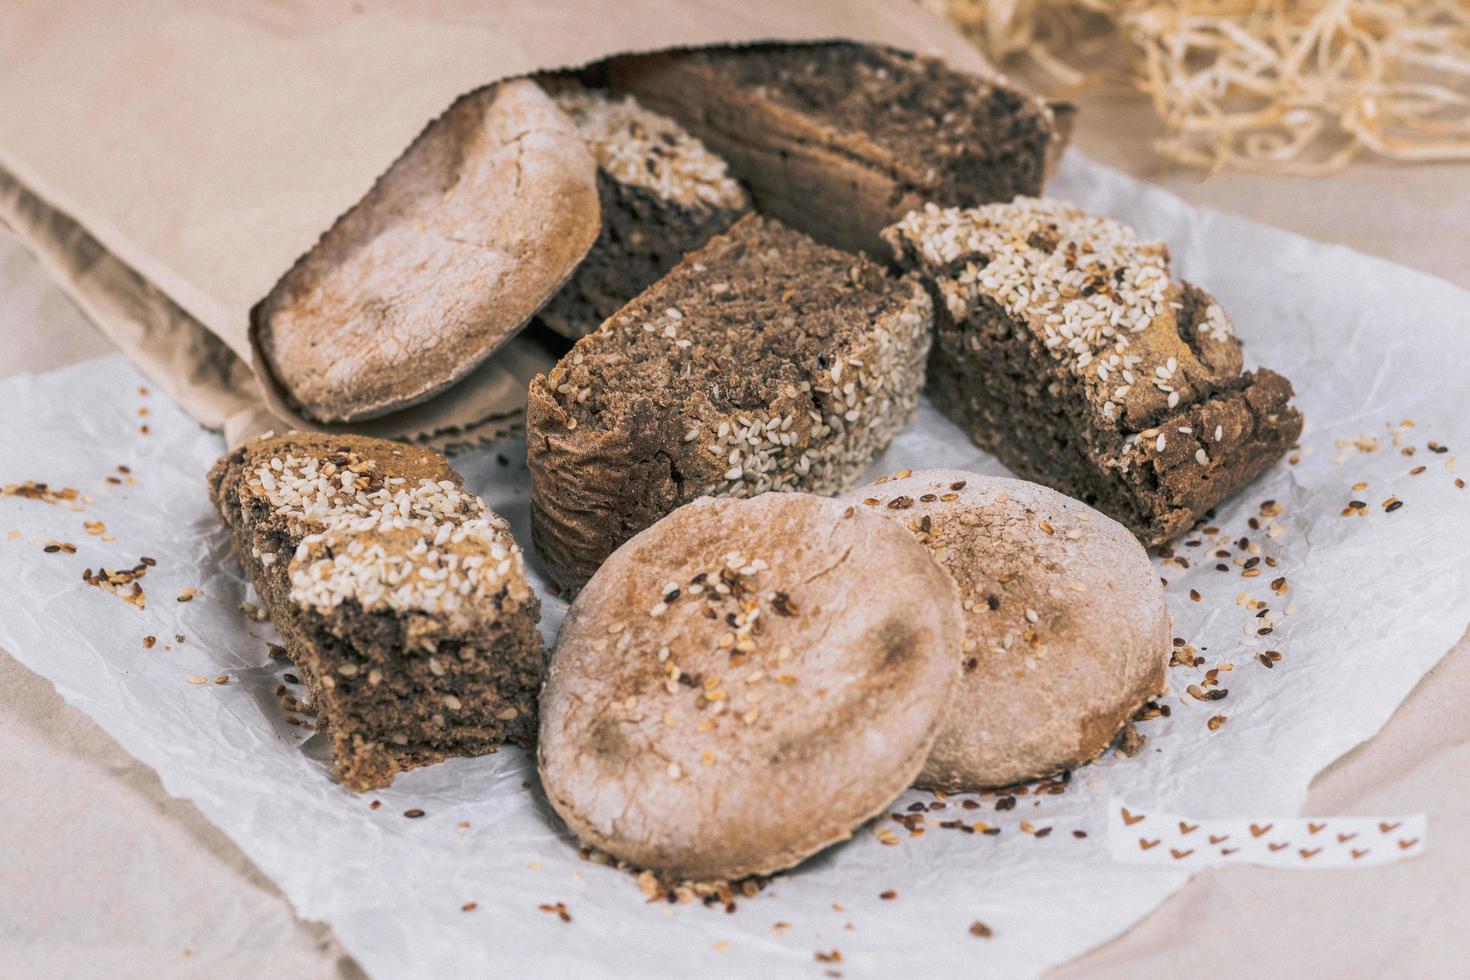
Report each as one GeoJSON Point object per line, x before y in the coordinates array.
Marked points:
{"type": "Point", "coordinates": [169, 160]}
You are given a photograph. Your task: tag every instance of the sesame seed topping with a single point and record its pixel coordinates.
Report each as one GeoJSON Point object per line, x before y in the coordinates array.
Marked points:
{"type": "Point", "coordinates": [645, 149]}
{"type": "Point", "coordinates": [1084, 285]}
{"type": "Point", "coordinates": [384, 544]}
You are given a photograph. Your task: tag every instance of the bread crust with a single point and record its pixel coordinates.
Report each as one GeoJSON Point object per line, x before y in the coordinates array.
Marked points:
{"type": "Point", "coordinates": [1066, 629]}
{"type": "Point", "coordinates": [454, 249]}
{"type": "Point", "coordinates": [713, 736]}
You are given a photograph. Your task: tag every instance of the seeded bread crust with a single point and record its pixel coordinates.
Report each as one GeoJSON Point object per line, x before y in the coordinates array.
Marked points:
{"type": "Point", "coordinates": [480, 221]}
{"type": "Point", "coordinates": [840, 140]}
{"type": "Point", "coordinates": [762, 361]}
{"type": "Point", "coordinates": [662, 194]}
{"type": "Point", "coordinates": [741, 685]}
{"type": "Point", "coordinates": [1065, 346]}
{"type": "Point", "coordinates": [401, 601]}
{"type": "Point", "coordinates": [1066, 629]}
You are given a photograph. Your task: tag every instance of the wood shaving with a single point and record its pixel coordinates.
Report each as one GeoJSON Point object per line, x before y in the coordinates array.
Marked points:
{"type": "Point", "coordinates": [1297, 87]}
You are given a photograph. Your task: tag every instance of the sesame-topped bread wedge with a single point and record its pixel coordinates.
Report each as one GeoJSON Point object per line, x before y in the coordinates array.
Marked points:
{"type": "Point", "coordinates": [763, 361]}
{"type": "Point", "coordinates": [400, 598]}
{"type": "Point", "coordinates": [840, 140]}
{"type": "Point", "coordinates": [663, 193]}
{"type": "Point", "coordinates": [1065, 346]}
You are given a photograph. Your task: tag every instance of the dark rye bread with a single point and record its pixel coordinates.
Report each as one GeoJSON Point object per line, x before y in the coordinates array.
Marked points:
{"type": "Point", "coordinates": [400, 599]}
{"type": "Point", "coordinates": [763, 361]}
{"type": "Point", "coordinates": [662, 194]}
{"type": "Point", "coordinates": [1064, 346]}
{"type": "Point", "coordinates": [840, 140]}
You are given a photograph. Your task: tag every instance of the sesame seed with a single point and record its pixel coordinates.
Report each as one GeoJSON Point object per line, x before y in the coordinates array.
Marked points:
{"type": "Point", "coordinates": [645, 149]}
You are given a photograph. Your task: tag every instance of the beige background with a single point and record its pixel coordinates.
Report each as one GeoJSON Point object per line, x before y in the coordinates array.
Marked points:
{"type": "Point", "coordinates": [102, 873]}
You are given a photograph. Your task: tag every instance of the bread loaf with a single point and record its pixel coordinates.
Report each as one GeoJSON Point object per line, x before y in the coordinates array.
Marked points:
{"type": "Point", "coordinates": [662, 194]}
{"type": "Point", "coordinates": [763, 361]}
{"type": "Point", "coordinates": [840, 140]}
{"type": "Point", "coordinates": [1066, 346]}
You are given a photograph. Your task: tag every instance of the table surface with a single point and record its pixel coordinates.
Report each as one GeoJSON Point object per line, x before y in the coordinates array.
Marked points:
{"type": "Point", "coordinates": [104, 871]}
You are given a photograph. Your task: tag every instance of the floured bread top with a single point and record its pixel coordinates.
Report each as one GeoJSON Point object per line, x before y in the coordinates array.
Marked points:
{"type": "Point", "coordinates": [451, 252]}
{"type": "Point", "coordinates": [1066, 627]}
{"type": "Point", "coordinates": [1100, 299]}
{"type": "Point", "coordinates": [387, 542]}
{"type": "Point", "coordinates": [645, 149]}
{"type": "Point", "coordinates": [741, 684]}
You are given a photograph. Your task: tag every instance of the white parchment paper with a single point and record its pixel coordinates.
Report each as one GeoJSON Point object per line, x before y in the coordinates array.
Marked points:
{"type": "Point", "coordinates": [1371, 602]}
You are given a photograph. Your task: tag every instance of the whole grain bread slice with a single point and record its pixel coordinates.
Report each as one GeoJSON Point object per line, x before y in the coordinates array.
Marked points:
{"type": "Point", "coordinates": [840, 140]}
{"type": "Point", "coordinates": [1065, 345]}
{"type": "Point", "coordinates": [763, 361]}
{"type": "Point", "coordinates": [400, 598]}
{"type": "Point", "coordinates": [478, 223]}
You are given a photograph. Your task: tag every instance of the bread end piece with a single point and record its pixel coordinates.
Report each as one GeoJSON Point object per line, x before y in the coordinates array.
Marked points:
{"type": "Point", "coordinates": [453, 250]}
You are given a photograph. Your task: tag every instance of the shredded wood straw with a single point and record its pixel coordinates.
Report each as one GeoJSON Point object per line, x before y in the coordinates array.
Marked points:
{"type": "Point", "coordinates": [1274, 86]}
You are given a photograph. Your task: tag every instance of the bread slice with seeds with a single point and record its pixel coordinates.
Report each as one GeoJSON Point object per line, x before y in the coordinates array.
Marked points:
{"type": "Point", "coordinates": [1066, 629]}
{"type": "Point", "coordinates": [763, 361]}
{"type": "Point", "coordinates": [741, 685]}
{"type": "Point", "coordinates": [400, 598]}
{"type": "Point", "coordinates": [840, 140]}
{"type": "Point", "coordinates": [1065, 346]}
{"type": "Point", "coordinates": [662, 194]}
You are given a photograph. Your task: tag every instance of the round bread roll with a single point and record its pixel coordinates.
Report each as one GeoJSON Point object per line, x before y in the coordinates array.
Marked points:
{"type": "Point", "coordinates": [1066, 631]}
{"type": "Point", "coordinates": [745, 683]}
{"type": "Point", "coordinates": [446, 258]}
